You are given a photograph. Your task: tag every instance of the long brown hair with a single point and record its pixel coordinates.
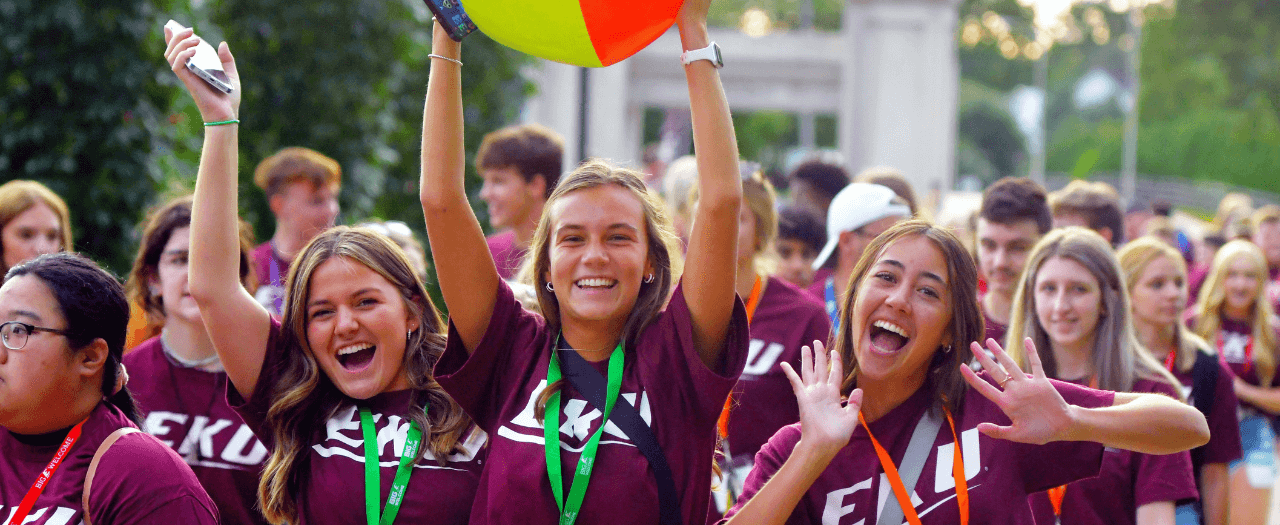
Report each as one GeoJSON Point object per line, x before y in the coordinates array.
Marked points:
{"type": "Point", "coordinates": [17, 196]}
{"type": "Point", "coordinates": [156, 230]}
{"type": "Point", "coordinates": [1208, 307]}
{"type": "Point", "coordinates": [1134, 258]}
{"type": "Point", "coordinates": [1118, 358]}
{"type": "Point", "coordinates": [664, 252]}
{"type": "Point", "coordinates": [304, 395]}
{"type": "Point", "coordinates": [967, 325]}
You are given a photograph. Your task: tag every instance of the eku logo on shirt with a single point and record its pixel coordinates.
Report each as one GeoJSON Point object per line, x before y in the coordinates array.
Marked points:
{"type": "Point", "coordinates": [242, 450]}
{"type": "Point", "coordinates": [943, 482]}
{"type": "Point", "coordinates": [761, 357]}
{"type": "Point", "coordinates": [1233, 346]}
{"type": "Point", "coordinates": [576, 421]}
{"type": "Point", "coordinates": [59, 515]}
{"type": "Point", "coordinates": [344, 438]}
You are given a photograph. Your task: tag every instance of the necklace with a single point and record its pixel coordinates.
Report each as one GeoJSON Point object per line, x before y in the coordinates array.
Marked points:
{"type": "Point", "coordinates": [181, 361]}
{"type": "Point", "coordinates": [193, 456]}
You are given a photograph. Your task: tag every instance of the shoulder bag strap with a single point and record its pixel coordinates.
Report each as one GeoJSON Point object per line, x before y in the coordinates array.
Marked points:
{"type": "Point", "coordinates": [1204, 384]}
{"type": "Point", "coordinates": [588, 382]}
{"type": "Point", "coordinates": [93, 466]}
{"type": "Point", "coordinates": [922, 439]}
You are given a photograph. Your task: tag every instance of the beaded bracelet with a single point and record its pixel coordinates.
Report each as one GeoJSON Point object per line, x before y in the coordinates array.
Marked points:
{"type": "Point", "coordinates": [222, 123]}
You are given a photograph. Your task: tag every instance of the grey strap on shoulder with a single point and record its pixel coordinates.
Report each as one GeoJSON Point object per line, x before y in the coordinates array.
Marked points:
{"type": "Point", "coordinates": [93, 466]}
{"type": "Point", "coordinates": [922, 439]}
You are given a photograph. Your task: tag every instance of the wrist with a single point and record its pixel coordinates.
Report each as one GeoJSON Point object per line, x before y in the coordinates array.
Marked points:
{"type": "Point", "coordinates": [442, 45]}
{"type": "Point", "coordinates": [1076, 423]}
{"type": "Point", "coordinates": [815, 455]}
{"type": "Point", "coordinates": [693, 35]}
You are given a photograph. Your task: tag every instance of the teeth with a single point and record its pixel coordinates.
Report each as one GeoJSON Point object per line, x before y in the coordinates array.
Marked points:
{"type": "Point", "coordinates": [354, 348]}
{"type": "Point", "coordinates": [595, 282]}
{"type": "Point", "coordinates": [891, 327]}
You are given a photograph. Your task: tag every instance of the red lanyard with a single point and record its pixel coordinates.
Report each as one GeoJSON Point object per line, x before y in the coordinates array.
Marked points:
{"type": "Point", "coordinates": [1168, 361]}
{"type": "Point", "coordinates": [1059, 493]}
{"type": "Point", "coordinates": [752, 302]}
{"type": "Point", "coordinates": [1248, 353]}
{"type": "Point", "coordinates": [37, 489]}
{"type": "Point", "coordinates": [900, 491]}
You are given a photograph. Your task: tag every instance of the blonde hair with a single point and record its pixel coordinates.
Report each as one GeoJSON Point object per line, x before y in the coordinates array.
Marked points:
{"type": "Point", "coordinates": [304, 395]}
{"type": "Point", "coordinates": [1208, 307]}
{"type": "Point", "coordinates": [1134, 259]}
{"type": "Point", "coordinates": [664, 253]}
{"type": "Point", "coordinates": [1118, 358]}
{"type": "Point", "coordinates": [17, 196]}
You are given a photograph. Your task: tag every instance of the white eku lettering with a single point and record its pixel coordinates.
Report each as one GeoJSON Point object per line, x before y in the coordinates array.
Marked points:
{"type": "Point", "coordinates": [761, 357]}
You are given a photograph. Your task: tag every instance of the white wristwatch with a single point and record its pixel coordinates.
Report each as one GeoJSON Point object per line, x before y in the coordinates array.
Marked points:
{"type": "Point", "coordinates": [710, 53]}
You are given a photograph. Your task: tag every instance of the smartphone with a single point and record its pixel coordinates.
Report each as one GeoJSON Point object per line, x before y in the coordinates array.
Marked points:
{"type": "Point", "coordinates": [452, 18]}
{"type": "Point", "coordinates": [205, 64]}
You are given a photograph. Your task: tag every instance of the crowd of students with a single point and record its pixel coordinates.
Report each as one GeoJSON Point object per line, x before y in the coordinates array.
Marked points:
{"type": "Point", "coordinates": [612, 355]}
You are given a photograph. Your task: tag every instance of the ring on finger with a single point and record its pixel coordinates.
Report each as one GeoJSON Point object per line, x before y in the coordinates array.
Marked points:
{"type": "Point", "coordinates": [1006, 380]}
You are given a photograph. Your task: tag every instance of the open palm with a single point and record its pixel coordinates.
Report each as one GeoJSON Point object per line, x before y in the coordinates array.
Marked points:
{"type": "Point", "coordinates": [1036, 410]}
{"type": "Point", "coordinates": [824, 422]}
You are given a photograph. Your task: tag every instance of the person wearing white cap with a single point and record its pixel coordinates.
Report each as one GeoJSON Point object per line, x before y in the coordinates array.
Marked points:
{"type": "Point", "coordinates": [858, 214]}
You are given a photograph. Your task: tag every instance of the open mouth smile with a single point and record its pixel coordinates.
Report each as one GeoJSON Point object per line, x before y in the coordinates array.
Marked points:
{"type": "Point", "coordinates": [888, 338]}
{"type": "Point", "coordinates": [356, 357]}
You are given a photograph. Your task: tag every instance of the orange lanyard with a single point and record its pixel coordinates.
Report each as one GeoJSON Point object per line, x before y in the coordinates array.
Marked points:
{"type": "Point", "coordinates": [752, 302]}
{"type": "Point", "coordinates": [900, 491]}
{"type": "Point", "coordinates": [42, 481]}
{"type": "Point", "coordinates": [1059, 493]}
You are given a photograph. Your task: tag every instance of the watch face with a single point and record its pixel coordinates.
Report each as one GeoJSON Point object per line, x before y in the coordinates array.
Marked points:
{"type": "Point", "coordinates": [719, 60]}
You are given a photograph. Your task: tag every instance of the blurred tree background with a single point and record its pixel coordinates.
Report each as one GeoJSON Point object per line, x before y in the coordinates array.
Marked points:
{"type": "Point", "coordinates": [109, 128]}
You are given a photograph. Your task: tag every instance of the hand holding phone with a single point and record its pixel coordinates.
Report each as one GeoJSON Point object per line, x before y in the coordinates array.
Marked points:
{"type": "Point", "coordinates": [452, 18]}
{"type": "Point", "coordinates": [205, 64]}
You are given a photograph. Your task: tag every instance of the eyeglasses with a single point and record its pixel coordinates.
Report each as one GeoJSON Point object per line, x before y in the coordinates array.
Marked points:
{"type": "Point", "coordinates": [14, 333]}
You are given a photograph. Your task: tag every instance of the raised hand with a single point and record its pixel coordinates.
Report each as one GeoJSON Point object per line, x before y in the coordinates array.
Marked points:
{"type": "Point", "coordinates": [215, 106]}
{"type": "Point", "coordinates": [1037, 412]}
{"type": "Point", "coordinates": [824, 424]}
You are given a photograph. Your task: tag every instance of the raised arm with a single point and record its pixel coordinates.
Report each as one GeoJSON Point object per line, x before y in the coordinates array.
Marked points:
{"type": "Point", "coordinates": [1145, 423]}
{"type": "Point", "coordinates": [709, 266]}
{"type": "Point", "coordinates": [240, 324]}
{"type": "Point", "coordinates": [467, 275]}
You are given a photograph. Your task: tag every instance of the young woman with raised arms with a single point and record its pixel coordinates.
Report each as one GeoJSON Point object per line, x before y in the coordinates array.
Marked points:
{"type": "Point", "coordinates": [603, 260]}
{"type": "Point", "coordinates": [900, 359]}
{"type": "Point", "coordinates": [340, 390]}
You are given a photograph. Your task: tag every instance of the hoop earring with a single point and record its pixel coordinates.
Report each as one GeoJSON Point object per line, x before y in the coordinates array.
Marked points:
{"type": "Point", "coordinates": [648, 279]}
{"type": "Point", "coordinates": [946, 349]}
{"type": "Point", "coordinates": [550, 288]}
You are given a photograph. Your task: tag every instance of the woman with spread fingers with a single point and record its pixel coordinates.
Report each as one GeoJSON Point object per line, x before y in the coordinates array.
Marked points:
{"type": "Point", "coordinates": [70, 451]}
{"type": "Point", "coordinates": [1157, 278]}
{"type": "Point", "coordinates": [1234, 317]}
{"type": "Point", "coordinates": [340, 389]}
{"type": "Point", "coordinates": [178, 379]}
{"type": "Point", "coordinates": [636, 447]}
{"type": "Point", "coordinates": [1073, 302]}
{"type": "Point", "coordinates": [894, 424]}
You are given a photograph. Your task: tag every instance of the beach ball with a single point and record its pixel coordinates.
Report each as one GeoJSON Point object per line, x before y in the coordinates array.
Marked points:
{"type": "Point", "coordinates": [590, 33]}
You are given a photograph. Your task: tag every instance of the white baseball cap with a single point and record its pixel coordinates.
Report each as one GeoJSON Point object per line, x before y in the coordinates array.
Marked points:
{"type": "Point", "coordinates": [858, 205]}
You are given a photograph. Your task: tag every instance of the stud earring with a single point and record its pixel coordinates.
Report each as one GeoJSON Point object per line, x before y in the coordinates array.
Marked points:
{"type": "Point", "coordinates": [648, 279]}
{"type": "Point", "coordinates": [550, 288]}
{"type": "Point", "coordinates": [946, 349]}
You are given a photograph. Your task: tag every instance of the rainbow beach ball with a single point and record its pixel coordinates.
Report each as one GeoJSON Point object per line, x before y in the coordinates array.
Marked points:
{"type": "Point", "coordinates": [590, 33]}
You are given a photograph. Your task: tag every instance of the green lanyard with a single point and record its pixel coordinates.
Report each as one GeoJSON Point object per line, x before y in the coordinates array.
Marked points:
{"type": "Point", "coordinates": [551, 435]}
{"type": "Point", "coordinates": [373, 482]}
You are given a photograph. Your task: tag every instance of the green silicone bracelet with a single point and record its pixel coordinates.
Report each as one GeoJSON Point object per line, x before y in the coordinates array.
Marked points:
{"type": "Point", "coordinates": [224, 122]}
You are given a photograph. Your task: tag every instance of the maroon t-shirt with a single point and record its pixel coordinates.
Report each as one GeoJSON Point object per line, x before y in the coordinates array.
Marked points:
{"type": "Point", "coordinates": [786, 319]}
{"type": "Point", "coordinates": [999, 474]}
{"type": "Point", "coordinates": [664, 379]}
{"type": "Point", "coordinates": [506, 255]}
{"type": "Point", "coordinates": [332, 484]}
{"type": "Point", "coordinates": [994, 330]}
{"type": "Point", "coordinates": [1224, 428]}
{"type": "Point", "coordinates": [271, 271]}
{"type": "Point", "coordinates": [1232, 342]}
{"type": "Point", "coordinates": [186, 409]}
{"type": "Point", "coordinates": [139, 480]}
{"type": "Point", "coordinates": [1127, 480]}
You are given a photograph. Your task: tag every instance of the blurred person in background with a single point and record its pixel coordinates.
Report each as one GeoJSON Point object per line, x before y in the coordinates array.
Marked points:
{"type": "Point", "coordinates": [815, 182]}
{"type": "Point", "coordinates": [1233, 214]}
{"type": "Point", "coordinates": [1013, 217]}
{"type": "Point", "coordinates": [800, 236]}
{"type": "Point", "coordinates": [1206, 250]}
{"type": "Point", "coordinates": [520, 166]}
{"type": "Point", "coordinates": [400, 234]}
{"type": "Point", "coordinates": [782, 319]}
{"type": "Point", "coordinates": [677, 182]}
{"type": "Point", "coordinates": [1232, 315]}
{"type": "Point", "coordinates": [1266, 234]}
{"type": "Point", "coordinates": [859, 214]}
{"type": "Point", "coordinates": [33, 221]}
{"type": "Point", "coordinates": [1157, 278]}
{"type": "Point", "coordinates": [1093, 205]}
{"type": "Point", "coordinates": [893, 179]}
{"type": "Point", "coordinates": [301, 186]}
{"type": "Point", "coordinates": [178, 380]}
{"type": "Point", "coordinates": [1072, 302]}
